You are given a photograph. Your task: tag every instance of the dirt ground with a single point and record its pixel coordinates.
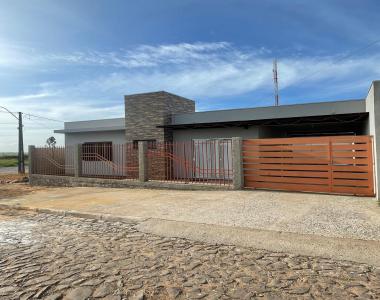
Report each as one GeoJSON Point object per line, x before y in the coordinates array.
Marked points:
{"type": "Point", "coordinates": [11, 176]}
{"type": "Point", "coordinates": [16, 189]}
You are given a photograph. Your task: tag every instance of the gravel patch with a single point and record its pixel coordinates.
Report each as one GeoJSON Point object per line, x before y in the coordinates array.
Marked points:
{"type": "Point", "coordinates": [74, 258]}
{"type": "Point", "coordinates": [325, 215]}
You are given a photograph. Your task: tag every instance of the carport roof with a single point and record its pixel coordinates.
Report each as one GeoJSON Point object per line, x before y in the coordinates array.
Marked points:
{"type": "Point", "coordinates": [348, 109]}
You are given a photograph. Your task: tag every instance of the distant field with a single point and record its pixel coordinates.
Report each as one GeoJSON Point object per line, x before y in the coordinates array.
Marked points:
{"type": "Point", "coordinates": [10, 161]}
{"type": "Point", "coordinates": [13, 154]}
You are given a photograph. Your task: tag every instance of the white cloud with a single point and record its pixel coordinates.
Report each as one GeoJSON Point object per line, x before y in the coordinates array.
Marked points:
{"type": "Point", "coordinates": [234, 73]}
{"type": "Point", "coordinates": [25, 97]}
{"type": "Point", "coordinates": [198, 70]}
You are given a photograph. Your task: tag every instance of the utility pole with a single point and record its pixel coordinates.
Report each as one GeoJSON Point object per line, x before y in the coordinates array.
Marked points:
{"type": "Point", "coordinates": [275, 81]}
{"type": "Point", "coordinates": [21, 158]}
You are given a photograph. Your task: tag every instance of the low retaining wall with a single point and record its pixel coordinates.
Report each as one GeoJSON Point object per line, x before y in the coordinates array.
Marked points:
{"type": "Point", "coordinates": [51, 180]}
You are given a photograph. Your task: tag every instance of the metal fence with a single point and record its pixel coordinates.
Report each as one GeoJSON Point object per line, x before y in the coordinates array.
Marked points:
{"type": "Point", "coordinates": [53, 161]}
{"type": "Point", "coordinates": [198, 161]}
{"type": "Point", "coordinates": [107, 160]}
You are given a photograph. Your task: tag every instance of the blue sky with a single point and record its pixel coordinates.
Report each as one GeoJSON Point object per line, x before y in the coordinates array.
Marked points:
{"type": "Point", "coordinates": [74, 60]}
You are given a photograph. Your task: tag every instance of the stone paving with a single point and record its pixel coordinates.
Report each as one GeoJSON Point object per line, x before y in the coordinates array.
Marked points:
{"type": "Point", "coordinates": [55, 257]}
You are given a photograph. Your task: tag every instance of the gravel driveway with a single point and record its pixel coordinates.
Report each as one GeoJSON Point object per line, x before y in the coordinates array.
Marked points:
{"type": "Point", "coordinates": [55, 257]}
{"type": "Point", "coordinates": [325, 215]}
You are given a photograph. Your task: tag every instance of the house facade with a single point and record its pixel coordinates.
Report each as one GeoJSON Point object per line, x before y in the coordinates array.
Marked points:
{"type": "Point", "coordinates": [164, 117]}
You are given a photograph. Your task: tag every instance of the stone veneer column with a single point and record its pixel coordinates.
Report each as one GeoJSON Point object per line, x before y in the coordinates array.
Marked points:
{"type": "Point", "coordinates": [237, 162]}
{"type": "Point", "coordinates": [31, 149]}
{"type": "Point", "coordinates": [144, 112]}
{"type": "Point", "coordinates": [143, 161]}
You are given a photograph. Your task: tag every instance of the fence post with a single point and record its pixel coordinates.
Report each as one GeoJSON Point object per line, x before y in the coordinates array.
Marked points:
{"type": "Point", "coordinates": [77, 160]}
{"type": "Point", "coordinates": [30, 158]}
{"type": "Point", "coordinates": [237, 163]}
{"type": "Point", "coordinates": [143, 161]}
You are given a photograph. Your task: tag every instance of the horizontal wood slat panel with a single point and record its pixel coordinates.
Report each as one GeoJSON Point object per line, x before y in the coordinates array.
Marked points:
{"type": "Point", "coordinates": [297, 154]}
{"type": "Point", "coordinates": [350, 154]}
{"type": "Point", "coordinates": [284, 147]}
{"type": "Point", "coordinates": [359, 191]}
{"type": "Point", "coordinates": [350, 161]}
{"type": "Point", "coordinates": [350, 182]}
{"type": "Point", "coordinates": [344, 175]}
{"type": "Point", "coordinates": [286, 167]}
{"type": "Point", "coordinates": [353, 169]}
{"type": "Point", "coordinates": [296, 180]}
{"type": "Point", "coordinates": [295, 173]}
{"type": "Point", "coordinates": [349, 139]}
{"type": "Point", "coordinates": [337, 164]}
{"type": "Point", "coordinates": [286, 141]}
{"type": "Point", "coordinates": [349, 147]}
{"type": "Point", "coordinates": [289, 187]}
{"type": "Point", "coordinates": [317, 161]}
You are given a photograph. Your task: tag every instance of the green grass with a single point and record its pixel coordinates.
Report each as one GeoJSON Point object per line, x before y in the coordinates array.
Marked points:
{"type": "Point", "coordinates": [10, 161]}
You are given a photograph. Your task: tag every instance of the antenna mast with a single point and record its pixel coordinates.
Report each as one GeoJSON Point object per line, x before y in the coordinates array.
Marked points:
{"type": "Point", "coordinates": [275, 81]}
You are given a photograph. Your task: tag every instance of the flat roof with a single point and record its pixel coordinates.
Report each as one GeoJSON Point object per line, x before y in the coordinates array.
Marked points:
{"type": "Point", "coordinates": [96, 129]}
{"type": "Point", "coordinates": [271, 112]}
{"type": "Point", "coordinates": [114, 124]}
{"type": "Point", "coordinates": [244, 116]}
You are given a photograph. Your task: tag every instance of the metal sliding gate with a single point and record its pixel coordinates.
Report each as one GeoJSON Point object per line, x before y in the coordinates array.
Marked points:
{"type": "Point", "coordinates": [334, 164]}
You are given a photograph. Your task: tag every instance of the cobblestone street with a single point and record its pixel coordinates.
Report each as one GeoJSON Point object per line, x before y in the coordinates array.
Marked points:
{"type": "Point", "coordinates": [54, 257]}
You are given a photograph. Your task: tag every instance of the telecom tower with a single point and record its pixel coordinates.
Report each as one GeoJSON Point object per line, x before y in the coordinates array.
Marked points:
{"type": "Point", "coordinates": [275, 81]}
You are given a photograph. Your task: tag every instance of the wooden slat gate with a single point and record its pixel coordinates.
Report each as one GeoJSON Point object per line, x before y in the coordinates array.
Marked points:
{"type": "Point", "coordinates": [334, 164]}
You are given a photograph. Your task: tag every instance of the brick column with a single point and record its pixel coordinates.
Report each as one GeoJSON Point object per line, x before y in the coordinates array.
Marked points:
{"type": "Point", "coordinates": [143, 161]}
{"type": "Point", "coordinates": [237, 162]}
{"type": "Point", "coordinates": [77, 160]}
{"type": "Point", "coordinates": [30, 158]}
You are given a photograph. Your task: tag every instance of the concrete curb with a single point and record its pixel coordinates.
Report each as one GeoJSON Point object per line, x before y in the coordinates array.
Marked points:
{"type": "Point", "coordinates": [73, 213]}
{"type": "Point", "coordinates": [359, 251]}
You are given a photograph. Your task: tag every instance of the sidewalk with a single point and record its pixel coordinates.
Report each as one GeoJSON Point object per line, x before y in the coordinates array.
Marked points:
{"type": "Point", "coordinates": [317, 225]}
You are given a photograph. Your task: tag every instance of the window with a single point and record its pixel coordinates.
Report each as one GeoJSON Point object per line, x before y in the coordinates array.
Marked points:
{"type": "Point", "coordinates": [97, 151]}
{"type": "Point", "coordinates": [152, 144]}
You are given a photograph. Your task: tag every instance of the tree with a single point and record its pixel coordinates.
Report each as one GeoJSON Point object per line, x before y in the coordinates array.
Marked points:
{"type": "Point", "coordinates": [51, 141]}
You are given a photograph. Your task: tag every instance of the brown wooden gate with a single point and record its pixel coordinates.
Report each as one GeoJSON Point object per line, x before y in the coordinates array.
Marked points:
{"type": "Point", "coordinates": [334, 164]}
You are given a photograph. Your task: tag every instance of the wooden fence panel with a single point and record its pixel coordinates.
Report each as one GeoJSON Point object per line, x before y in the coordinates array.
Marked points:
{"type": "Point", "coordinates": [335, 164]}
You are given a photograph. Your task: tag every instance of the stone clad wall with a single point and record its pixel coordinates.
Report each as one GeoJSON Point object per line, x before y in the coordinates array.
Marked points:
{"type": "Point", "coordinates": [144, 112]}
{"type": "Point", "coordinates": [68, 181]}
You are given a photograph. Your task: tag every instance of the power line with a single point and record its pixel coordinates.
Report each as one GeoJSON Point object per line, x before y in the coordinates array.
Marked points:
{"type": "Point", "coordinates": [350, 54]}
{"type": "Point", "coordinates": [28, 115]}
{"type": "Point", "coordinates": [30, 118]}
{"type": "Point", "coordinates": [40, 117]}
{"type": "Point", "coordinates": [8, 111]}
{"type": "Point", "coordinates": [39, 124]}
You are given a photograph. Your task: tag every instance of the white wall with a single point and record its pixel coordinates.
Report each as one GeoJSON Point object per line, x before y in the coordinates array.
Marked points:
{"type": "Point", "coordinates": [107, 168]}
{"type": "Point", "coordinates": [373, 127]}
{"type": "Point", "coordinates": [116, 137]}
